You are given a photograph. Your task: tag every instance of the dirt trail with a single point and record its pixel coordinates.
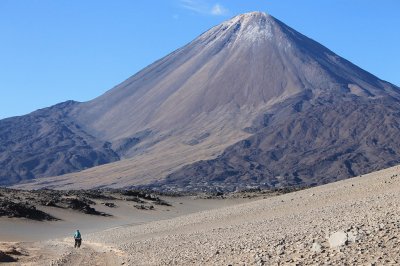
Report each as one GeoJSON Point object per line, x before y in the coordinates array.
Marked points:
{"type": "Point", "coordinates": [88, 254]}
{"type": "Point", "coordinates": [62, 253]}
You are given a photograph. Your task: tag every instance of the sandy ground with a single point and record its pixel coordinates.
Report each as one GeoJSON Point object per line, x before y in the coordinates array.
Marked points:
{"type": "Point", "coordinates": [51, 243]}
{"type": "Point", "coordinates": [352, 222]}
{"type": "Point", "coordinates": [125, 214]}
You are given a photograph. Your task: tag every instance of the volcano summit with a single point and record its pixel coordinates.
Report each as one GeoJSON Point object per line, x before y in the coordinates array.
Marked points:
{"type": "Point", "coordinates": [251, 102]}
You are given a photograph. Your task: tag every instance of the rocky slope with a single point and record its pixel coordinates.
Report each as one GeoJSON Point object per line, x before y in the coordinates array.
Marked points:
{"type": "Point", "coordinates": [351, 222]}
{"type": "Point", "coordinates": [328, 139]}
{"type": "Point", "coordinates": [249, 102]}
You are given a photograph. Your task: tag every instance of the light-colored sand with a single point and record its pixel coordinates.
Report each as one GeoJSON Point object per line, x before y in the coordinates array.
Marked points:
{"type": "Point", "coordinates": [290, 229]}
{"type": "Point", "coordinates": [16, 229]}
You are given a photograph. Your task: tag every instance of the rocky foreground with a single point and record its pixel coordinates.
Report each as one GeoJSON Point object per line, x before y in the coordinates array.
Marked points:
{"type": "Point", "coordinates": [353, 222]}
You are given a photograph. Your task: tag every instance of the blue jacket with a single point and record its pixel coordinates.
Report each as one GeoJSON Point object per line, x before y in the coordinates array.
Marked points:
{"type": "Point", "coordinates": [77, 235]}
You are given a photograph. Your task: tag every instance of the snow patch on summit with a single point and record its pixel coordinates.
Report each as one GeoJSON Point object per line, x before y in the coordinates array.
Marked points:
{"type": "Point", "coordinates": [254, 33]}
{"type": "Point", "coordinates": [254, 27]}
{"type": "Point", "coordinates": [248, 29]}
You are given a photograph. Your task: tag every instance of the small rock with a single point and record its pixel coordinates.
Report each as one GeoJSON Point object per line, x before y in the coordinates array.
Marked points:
{"type": "Point", "coordinates": [110, 204]}
{"type": "Point", "coordinates": [316, 247]}
{"type": "Point", "coordinates": [280, 250]}
{"type": "Point", "coordinates": [352, 237]}
{"type": "Point", "coordinates": [337, 239]}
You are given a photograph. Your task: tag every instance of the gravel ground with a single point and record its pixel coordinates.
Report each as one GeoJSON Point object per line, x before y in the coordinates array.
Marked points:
{"type": "Point", "coordinates": [353, 222]}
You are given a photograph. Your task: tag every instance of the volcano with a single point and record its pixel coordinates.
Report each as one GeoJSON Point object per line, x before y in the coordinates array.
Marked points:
{"type": "Point", "coordinates": [251, 102]}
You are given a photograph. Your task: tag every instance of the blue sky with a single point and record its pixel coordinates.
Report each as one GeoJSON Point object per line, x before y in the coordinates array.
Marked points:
{"type": "Point", "coordinates": [56, 50]}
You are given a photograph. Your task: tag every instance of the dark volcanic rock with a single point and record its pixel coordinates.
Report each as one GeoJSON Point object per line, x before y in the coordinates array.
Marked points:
{"type": "Point", "coordinates": [47, 143]}
{"type": "Point", "coordinates": [93, 194]}
{"type": "Point", "coordinates": [137, 195]}
{"type": "Point", "coordinates": [12, 209]}
{"type": "Point", "coordinates": [109, 204]}
{"type": "Point", "coordinates": [82, 205]}
{"type": "Point", "coordinates": [21, 203]}
{"type": "Point", "coordinates": [144, 207]}
{"type": "Point", "coordinates": [6, 258]}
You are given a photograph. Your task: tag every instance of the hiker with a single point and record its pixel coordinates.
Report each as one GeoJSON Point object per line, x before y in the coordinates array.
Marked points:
{"type": "Point", "coordinates": [78, 239]}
